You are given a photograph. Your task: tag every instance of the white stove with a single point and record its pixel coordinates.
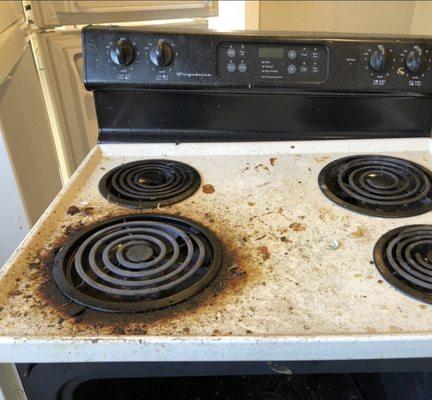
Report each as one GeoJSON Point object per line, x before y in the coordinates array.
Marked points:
{"type": "Point", "coordinates": [236, 214]}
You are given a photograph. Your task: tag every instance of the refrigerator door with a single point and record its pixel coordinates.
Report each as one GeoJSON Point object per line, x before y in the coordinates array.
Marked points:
{"type": "Point", "coordinates": [28, 161]}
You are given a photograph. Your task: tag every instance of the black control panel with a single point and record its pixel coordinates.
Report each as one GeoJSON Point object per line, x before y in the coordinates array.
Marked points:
{"type": "Point", "coordinates": [132, 57]}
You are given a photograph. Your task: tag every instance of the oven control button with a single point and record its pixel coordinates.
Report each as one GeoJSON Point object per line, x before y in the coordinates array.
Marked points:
{"type": "Point", "coordinates": [292, 54]}
{"type": "Point", "coordinates": [292, 69]}
{"type": "Point", "coordinates": [231, 67]}
{"type": "Point", "coordinates": [231, 52]}
{"type": "Point", "coordinates": [414, 59]}
{"type": "Point", "coordinates": [242, 67]}
{"type": "Point", "coordinates": [122, 52]}
{"type": "Point", "coordinates": [161, 54]}
{"type": "Point", "coordinates": [377, 60]}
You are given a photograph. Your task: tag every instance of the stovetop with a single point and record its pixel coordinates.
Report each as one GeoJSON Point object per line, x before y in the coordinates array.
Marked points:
{"type": "Point", "coordinates": [297, 281]}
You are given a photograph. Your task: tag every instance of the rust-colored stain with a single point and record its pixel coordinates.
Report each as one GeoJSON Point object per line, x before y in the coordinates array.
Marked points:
{"type": "Point", "coordinates": [239, 268]}
{"type": "Point", "coordinates": [273, 161]}
{"type": "Point", "coordinates": [297, 226]}
{"type": "Point", "coordinates": [264, 251]}
{"type": "Point", "coordinates": [208, 189]}
{"type": "Point", "coordinates": [251, 203]}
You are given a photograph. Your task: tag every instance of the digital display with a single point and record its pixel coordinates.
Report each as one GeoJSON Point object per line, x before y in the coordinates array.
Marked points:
{"type": "Point", "coordinates": [270, 52]}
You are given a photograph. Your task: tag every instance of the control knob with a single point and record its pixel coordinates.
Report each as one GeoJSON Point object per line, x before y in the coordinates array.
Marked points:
{"type": "Point", "coordinates": [414, 59]}
{"type": "Point", "coordinates": [377, 60]}
{"type": "Point", "coordinates": [161, 54]}
{"type": "Point", "coordinates": [122, 52]}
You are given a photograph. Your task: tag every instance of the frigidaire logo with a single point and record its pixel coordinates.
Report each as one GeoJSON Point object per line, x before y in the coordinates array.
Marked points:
{"type": "Point", "coordinates": [193, 74]}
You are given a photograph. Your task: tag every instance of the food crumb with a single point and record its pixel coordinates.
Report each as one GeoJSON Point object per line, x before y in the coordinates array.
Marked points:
{"type": "Point", "coordinates": [208, 189]}
{"type": "Point", "coordinates": [358, 233]}
{"type": "Point", "coordinates": [297, 226]}
{"type": "Point", "coordinates": [264, 251]}
{"type": "Point", "coordinates": [88, 210]}
{"type": "Point", "coordinates": [320, 160]}
{"type": "Point", "coordinates": [72, 210]}
{"type": "Point", "coordinates": [261, 166]}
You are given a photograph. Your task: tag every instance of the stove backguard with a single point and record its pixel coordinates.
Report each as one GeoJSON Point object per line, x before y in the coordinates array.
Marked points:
{"type": "Point", "coordinates": [162, 86]}
{"type": "Point", "coordinates": [152, 116]}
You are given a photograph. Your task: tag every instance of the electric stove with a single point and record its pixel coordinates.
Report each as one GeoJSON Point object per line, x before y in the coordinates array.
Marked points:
{"type": "Point", "coordinates": [255, 204]}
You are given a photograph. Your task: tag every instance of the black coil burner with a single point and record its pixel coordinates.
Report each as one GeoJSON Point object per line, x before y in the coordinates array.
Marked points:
{"type": "Point", "coordinates": [149, 183]}
{"type": "Point", "coordinates": [137, 263]}
{"type": "Point", "coordinates": [404, 258]}
{"type": "Point", "coordinates": [380, 186]}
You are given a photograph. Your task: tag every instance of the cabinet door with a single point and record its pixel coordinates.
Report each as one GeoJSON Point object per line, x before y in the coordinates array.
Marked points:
{"type": "Point", "coordinates": [48, 14]}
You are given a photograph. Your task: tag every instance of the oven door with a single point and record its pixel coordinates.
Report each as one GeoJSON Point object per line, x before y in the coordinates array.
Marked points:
{"type": "Point", "coordinates": [343, 380]}
{"type": "Point", "coordinates": [182, 381]}
{"type": "Point", "coordinates": [174, 380]}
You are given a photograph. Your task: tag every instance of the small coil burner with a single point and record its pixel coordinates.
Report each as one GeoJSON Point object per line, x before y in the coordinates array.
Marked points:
{"type": "Point", "coordinates": [379, 186]}
{"type": "Point", "coordinates": [137, 263]}
{"type": "Point", "coordinates": [149, 183]}
{"type": "Point", "coordinates": [404, 258]}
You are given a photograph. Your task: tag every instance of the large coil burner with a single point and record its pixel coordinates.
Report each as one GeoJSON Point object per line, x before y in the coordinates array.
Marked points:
{"type": "Point", "coordinates": [137, 263]}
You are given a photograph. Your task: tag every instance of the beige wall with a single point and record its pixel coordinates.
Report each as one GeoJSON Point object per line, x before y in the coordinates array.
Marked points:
{"type": "Point", "coordinates": [345, 16]}
{"type": "Point", "coordinates": [422, 18]}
